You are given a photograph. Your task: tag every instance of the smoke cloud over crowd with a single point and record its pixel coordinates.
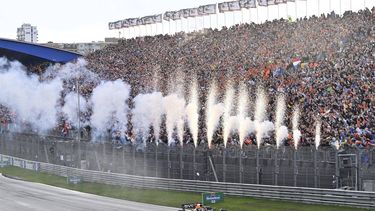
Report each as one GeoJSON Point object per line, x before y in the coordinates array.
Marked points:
{"type": "Point", "coordinates": [42, 102]}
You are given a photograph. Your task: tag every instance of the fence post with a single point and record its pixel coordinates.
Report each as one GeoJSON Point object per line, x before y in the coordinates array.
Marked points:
{"type": "Point", "coordinates": [181, 162]}
{"type": "Point", "coordinates": [241, 166]}
{"type": "Point", "coordinates": [337, 174]}
{"type": "Point", "coordinates": [295, 168]}
{"type": "Point", "coordinates": [194, 164]}
{"type": "Point", "coordinates": [315, 169]}
{"type": "Point", "coordinates": [134, 160]}
{"type": "Point", "coordinates": [45, 152]}
{"type": "Point", "coordinates": [169, 162]}
{"type": "Point", "coordinates": [357, 170]}
{"type": "Point", "coordinates": [257, 166]}
{"type": "Point", "coordinates": [123, 159]}
{"type": "Point", "coordinates": [156, 159]}
{"type": "Point", "coordinates": [224, 164]}
{"type": "Point", "coordinates": [79, 151]}
{"type": "Point", "coordinates": [38, 149]}
{"type": "Point", "coordinates": [145, 160]}
{"type": "Point", "coordinates": [276, 168]}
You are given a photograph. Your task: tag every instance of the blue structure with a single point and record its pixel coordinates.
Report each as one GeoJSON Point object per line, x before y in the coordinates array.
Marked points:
{"type": "Point", "coordinates": [31, 54]}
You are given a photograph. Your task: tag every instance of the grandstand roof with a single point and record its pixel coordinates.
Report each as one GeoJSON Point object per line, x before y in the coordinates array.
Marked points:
{"type": "Point", "coordinates": [30, 53]}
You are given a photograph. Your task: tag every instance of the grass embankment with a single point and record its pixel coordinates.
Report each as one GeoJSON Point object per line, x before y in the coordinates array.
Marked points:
{"type": "Point", "coordinates": [166, 198]}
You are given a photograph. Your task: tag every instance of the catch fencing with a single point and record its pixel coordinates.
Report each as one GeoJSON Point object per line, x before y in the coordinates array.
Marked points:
{"type": "Point", "coordinates": [306, 167]}
{"type": "Point", "coordinates": [306, 195]}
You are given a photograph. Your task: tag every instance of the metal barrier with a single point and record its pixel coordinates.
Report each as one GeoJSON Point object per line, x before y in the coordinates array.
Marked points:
{"type": "Point", "coordinates": [299, 194]}
{"type": "Point", "coordinates": [306, 167]}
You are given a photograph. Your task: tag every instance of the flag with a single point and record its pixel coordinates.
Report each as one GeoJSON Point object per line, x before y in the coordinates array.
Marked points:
{"type": "Point", "coordinates": [247, 4]}
{"type": "Point", "coordinates": [201, 10]}
{"type": "Point", "coordinates": [193, 12]}
{"type": "Point", "coordinates": [118, 24]}
{"type": "Point", "coordinates": [140, 22]}
{"type": "Point", "coordinates": [125, 23]}
{"type": "Point", "coordinates": [270, 2]}
{"type": "Point", "coordinates": [234, 5]}
{"type": "Point", "coordinates": [262, 2]}
{"type": "Point", "coordinates": [185, 13]}
{"type": "Point", "coordinates": [111, 25]}
{"type": "Point", "coordinates": [223, 7]}
{"type": "Point", "coordinates": [168, 15]}
{"type": "Point", "coordinates": [157, 18]}
{"type": "Point", "coordinates": [210, 9]}
{"type": "Point", "coordinates": [207, 9]}
{"type": "Point", "coordinates": [132, 21]}
{"type": "Point", "coordinates": [147, 20]}
{"type": "Point", "coordinates": [176, 15]}
{"type": "Point", "coordinates": [296, 61]}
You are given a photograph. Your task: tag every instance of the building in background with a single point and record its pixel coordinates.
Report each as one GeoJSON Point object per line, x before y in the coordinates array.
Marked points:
{"type": "Point", "coordinates": [27, 33]}
{"type": "Point", "coordinates": [81, 48]}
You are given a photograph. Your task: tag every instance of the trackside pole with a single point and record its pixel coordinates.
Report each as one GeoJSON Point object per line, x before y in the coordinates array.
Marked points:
{"type": "Point", "coordinates": [194, 164]}
{"type": "Point", "coordinates": [337, 174]}
{"type": "Point", "coordinates": [134, 161]}
{"type": "Point", "coordinates": [213, 168]}
{"type": "Point", "coordinates": [315, 169]}
{"type": "Point", "coordinates": [156, 160]}
{"type": "Point", "coordinates": [258, 167]}
{"type": "Point", "coordinates": [181, 162]}
{"type": "Point", "coordinates": [241, 166]}
{"type": "Point", "coordinates": [224, 164]}
{"type": "Point", "coordinates": [169, 162]}
{"type": "Point", "coordinates": [144, 160]}
{"type": "Point", "coordinates": [276, 168]}
{"type": "Point", "coordinates": [295, 169]}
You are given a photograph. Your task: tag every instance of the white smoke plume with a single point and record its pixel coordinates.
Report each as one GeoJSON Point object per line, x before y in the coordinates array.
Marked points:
{"type": "Point", "coordinates": [192, 113]}
{"type": "Point", "coordinates": [70, 108]}
{"type": "Point", "coordinates": [242, 112]}
{"type": "Point", "coordinates": [214, 111]}
{"type": "Point", "coordinates": [109, 106]}
{"type": "Point", "coordinates": [227, 120]}
{"type": "Point", "coordinates": [147, 112]}
{"type": "Point", "coordinates": [156, 112]}
{"type": "Point", "coordinates": [260, 115]}
{"type": "Point", "coordinates": [72, 71]}
{"type": "Point", "coordinates": [281, 131]}
{"type": "Point", "coordinates": [296, 131]}
{"type": "Point", "coordinates": [266, 127]}
{"type": "Point", "coordinates": [33, 101]}
{"type": "Point", "coordinates": [174, 107]}
{"type": "Point", "coordinates": [317, 133]}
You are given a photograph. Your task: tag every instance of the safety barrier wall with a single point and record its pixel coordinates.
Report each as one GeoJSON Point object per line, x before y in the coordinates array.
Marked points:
{"type": "Point", "coordinates": [306, 195]}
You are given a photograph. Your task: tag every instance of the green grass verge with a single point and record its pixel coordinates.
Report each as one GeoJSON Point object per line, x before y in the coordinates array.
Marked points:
{"type": "Point", "coordinates": [167, 198]}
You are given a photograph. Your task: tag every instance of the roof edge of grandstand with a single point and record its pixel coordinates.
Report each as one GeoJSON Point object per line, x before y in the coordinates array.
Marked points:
{"type": "Point", "coordinates": [40, 45]}
{"type": "Point", "coordinates": [27, 53]}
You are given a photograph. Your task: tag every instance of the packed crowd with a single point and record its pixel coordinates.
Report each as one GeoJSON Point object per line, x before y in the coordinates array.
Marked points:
{"type": "Point", "coordinates": [324, 65]}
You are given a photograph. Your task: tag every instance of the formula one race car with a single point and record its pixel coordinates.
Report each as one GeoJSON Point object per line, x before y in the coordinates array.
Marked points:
{"type": "Point", "coordinates": [195, 207]}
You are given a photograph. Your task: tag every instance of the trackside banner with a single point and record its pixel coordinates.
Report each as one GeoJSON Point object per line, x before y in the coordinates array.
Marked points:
{"type": "Point", "coordinates": [212, 197]}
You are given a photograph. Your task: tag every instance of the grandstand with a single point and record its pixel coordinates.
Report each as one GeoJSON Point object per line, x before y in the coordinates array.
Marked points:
{"type": "Point", "coordinates": [323, 66]}
{"type": "Point", "coordinates": [263, 55]}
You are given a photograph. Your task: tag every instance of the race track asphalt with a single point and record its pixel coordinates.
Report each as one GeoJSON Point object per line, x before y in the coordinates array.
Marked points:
{"type": "Point", "coordinates": [17, 195]}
